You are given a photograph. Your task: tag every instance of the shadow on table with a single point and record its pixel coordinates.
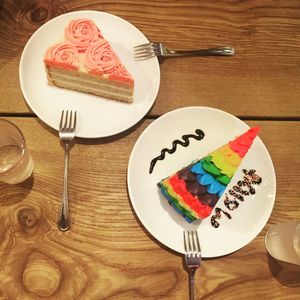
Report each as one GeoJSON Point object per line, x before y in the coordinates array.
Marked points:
{"type": "Point", "coordinates": [14, 193]}
{"type": "Point", "coordinates": [286, 273]}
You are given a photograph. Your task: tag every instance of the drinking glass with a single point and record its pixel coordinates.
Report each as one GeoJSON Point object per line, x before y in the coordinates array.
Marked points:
{"type": "Point", "coordinates": [283, 244]}
{"type": "Point", "coordinates": [283, 241]}
{"type": "Point", "coordinates": [16, 164]}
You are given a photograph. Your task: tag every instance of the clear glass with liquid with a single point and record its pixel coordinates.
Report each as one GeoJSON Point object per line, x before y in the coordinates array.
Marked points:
{"type": "Point", "coordinates": [283, 242]}
{"type": "Point", "coordinates": [16, 164]}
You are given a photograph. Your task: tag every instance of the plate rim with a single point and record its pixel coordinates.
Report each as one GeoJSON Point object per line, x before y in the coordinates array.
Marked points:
{"type": "Point", "coordinates": [32, 106]}
{"type": "Point", "coordinates": [129, 186]}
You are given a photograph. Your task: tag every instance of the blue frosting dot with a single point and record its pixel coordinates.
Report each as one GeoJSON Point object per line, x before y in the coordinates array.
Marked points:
{"type": "Point", "coordinates": [221, 192]}
{"type": "Point", "coordinates": [212, 185]}
{"type": "Point", "coordinates": [197, 168]}
{"type": "Point", "coordinates": [215, 187]}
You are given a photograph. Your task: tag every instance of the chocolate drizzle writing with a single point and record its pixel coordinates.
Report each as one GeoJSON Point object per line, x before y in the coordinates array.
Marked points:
{"type": "Point", "coordinates": [237, 192]}
{"type": "Point", "coordinates": [186, 141]}
{"type": "Point", "coordinates": [217, 215]}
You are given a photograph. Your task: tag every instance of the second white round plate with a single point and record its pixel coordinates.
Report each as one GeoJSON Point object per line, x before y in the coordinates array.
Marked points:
{"type": "Point", "coordinates": [160, 219]}
{"type": "Point", "coordinates": [96, 117]}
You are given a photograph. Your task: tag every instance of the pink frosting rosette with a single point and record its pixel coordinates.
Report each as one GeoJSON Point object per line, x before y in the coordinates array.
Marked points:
{"type": "Point", "coordinates": [62, 55]}
{"type": "Point", "coordinates": [82, 32]}
{"type": "Point", "coordinates": [100, 58]}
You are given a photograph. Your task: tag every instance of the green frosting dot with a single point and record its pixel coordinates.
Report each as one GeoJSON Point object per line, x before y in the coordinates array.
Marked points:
{"type": "Point", "coordinates": [209, 166]}
{"type": "Point", "coordinates": [223, 179]}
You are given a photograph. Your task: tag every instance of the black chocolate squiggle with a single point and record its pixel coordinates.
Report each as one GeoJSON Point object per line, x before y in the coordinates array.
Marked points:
{"type": "Point", "coordinates": [199, 136]}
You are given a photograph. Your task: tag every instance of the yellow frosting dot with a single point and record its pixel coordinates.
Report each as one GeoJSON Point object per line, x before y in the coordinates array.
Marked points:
{"type": "Point", "coordinates": [226, 160]}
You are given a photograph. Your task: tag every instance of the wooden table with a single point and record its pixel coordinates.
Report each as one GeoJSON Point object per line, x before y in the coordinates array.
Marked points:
{"type": "Point", "coordinates": [108, 254]}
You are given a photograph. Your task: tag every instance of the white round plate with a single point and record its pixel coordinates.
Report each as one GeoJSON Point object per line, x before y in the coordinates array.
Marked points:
{"type": "Point", "coordinates": [96, 116]}
{"type": "Point", "coordinates": [160, 219]}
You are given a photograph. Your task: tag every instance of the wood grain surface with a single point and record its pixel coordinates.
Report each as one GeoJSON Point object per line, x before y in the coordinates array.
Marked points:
{"type": "Point", "coordinates": [108, 254]}
{"type": "Point", "coordinates": [263, 77]}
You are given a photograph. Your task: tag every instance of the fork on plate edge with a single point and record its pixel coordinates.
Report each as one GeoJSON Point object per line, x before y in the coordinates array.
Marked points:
{"type": "Point", "coordinates": [192, 255]}
{"type": "Point", "coordinates": [67, 132]}
{"type": "Point", "coordinates": [149, 50]}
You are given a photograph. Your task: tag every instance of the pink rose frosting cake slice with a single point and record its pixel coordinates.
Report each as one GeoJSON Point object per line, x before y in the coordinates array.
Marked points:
{"type": "Point", "coordinates": [86, 62]}
{"type": "Point", "coordinates": [194, 190]}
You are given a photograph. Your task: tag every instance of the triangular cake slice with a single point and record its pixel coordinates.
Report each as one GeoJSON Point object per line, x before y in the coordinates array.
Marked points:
{"type": "Point", "coordinates": [194, 190]}
{"type": "Point", "coordinates": [85, 61]}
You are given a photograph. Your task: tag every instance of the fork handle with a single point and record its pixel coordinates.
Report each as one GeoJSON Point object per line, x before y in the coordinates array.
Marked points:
{"type": "Point", "coordinates": [221, 51]}
{"type": "Point", "coordinates": [192, 285]}
{"type": "Point", "coordinates": [63, 219]}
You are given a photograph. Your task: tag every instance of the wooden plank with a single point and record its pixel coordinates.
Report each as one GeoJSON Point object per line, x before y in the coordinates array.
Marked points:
{"type": "Point", "coordinates": [262, 79]}
{"type": "Point", "coordinates": [108, 253]}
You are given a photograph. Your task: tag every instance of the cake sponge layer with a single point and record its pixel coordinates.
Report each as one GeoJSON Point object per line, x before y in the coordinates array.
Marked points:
{"type": "Point", "coordinates": [99, 87]}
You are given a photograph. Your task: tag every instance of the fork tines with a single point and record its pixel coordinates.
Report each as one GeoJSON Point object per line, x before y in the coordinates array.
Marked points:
{"type": "Point", "coordinates": [144, 51]}
{"type": "Point", "coordinates": [143, 46]}
{"type": "Point", "coordinates": [65, 118]}
{"type": "Point", "coordinates": [191, 243]}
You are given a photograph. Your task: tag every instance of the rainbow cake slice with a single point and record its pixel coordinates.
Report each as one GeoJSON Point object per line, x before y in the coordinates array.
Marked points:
{"type": "Point", "coordinates": [194, 190]}
{"type": "Point", "coordinates": [86, 62]}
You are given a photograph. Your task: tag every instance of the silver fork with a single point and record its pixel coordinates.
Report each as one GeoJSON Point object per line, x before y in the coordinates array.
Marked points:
{"type": "Point", "coordinates": [67, 130]}
{"type": "Point", "coordinates": [192, 258]}
{"type": "Point", "coordinates": [149, 50]}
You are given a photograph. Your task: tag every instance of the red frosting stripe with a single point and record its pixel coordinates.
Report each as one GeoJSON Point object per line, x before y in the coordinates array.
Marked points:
{"type": "Point", "coordinates": [242, 143]}
{"type": "Point", "coordinates": [179, 187]}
